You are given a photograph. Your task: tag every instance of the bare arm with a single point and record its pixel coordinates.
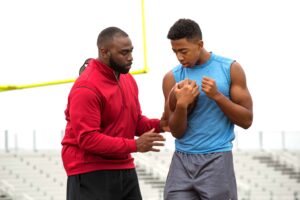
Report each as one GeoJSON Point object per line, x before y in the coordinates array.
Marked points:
{"type": "Point", "coordinates": [168, 84]}
{"type": "Point", "coordinates": [239, 108]}
{"type": "Point", "coordinates": [177, 120]}
{"type": "Point", "coordinates": [186, 91]}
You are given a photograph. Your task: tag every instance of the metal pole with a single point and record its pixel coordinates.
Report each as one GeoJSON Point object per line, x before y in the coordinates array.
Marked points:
{"type": "Point", "coordinates": [6, 141]}
{"type": "Point", "coordinates": [34, 141]}
{"type": "Point", "coordinates": [16, 142]}
{"type": "Point", "coordinates": [261, 140]}
{"type": "Point", "coordinates": [283, 140]}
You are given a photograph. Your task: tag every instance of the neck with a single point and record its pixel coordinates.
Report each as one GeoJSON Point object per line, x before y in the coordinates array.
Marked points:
{"type": "Point", "coordinates": [117, 74]}
{"type": "Point", "coordinates": [103, 61]}
{"type": "Point", "coordinates": [204, 57]}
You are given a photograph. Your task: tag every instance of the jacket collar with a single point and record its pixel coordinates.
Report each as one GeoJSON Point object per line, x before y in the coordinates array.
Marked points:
{"type": "Point", "coordinates": [104, 69]}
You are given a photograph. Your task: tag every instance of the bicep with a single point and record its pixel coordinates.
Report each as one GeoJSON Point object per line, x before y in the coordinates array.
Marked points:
{"type": "Point", "coordinates": [239, 92]}
{"type": "Point", "coordinates": [168, 84]}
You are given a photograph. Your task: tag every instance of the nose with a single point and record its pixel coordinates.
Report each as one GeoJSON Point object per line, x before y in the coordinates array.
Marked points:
{"type": "Point", "coordinates": [179, 57]}
{"type": "Point", "coordinates": [130, 58]}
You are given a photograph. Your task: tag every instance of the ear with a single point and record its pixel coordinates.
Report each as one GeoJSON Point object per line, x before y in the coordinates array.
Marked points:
{"type": "Point", "coordinates": [104, 52]}
{"type": "Point", "coordinates": [200, 43]}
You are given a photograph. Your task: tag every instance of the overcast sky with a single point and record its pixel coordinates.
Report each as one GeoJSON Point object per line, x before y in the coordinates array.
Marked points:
{"type": "Point", "coordinates": [43, 40]}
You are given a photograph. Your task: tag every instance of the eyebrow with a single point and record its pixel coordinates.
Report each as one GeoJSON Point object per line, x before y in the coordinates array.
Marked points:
{"type": "Point", "coordinates": [181, 49]}
{"type": "Point", "coordinates": [127, 49]}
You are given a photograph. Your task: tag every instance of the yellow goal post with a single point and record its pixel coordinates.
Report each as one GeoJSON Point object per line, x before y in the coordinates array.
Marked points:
{"type": "Point", "coordinates": [145, 69]}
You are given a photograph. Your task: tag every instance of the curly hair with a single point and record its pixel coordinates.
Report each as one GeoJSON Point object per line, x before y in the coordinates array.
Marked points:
{"type": "Point", "coordinates": [185, 28]}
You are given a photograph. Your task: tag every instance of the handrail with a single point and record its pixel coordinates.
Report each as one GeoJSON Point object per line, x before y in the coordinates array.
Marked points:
{"type": "Point", "coordinates": [26, 197]}
{"type": "Point", "coordinates": [8, 188]}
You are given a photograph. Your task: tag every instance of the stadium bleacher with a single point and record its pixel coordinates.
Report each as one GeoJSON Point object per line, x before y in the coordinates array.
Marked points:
{"type": "Point", "coordinates": [261, 175]}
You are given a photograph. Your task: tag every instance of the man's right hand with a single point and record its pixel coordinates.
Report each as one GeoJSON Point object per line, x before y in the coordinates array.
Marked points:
{"type": "Point", "coordinates": [186, 91]}
{"type": "Point", "coordinates": [147, 141]}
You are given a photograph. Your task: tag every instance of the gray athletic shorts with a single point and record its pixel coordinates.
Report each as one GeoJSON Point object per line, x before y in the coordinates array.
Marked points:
{"type": "Point", "coordinates": [201, 177]}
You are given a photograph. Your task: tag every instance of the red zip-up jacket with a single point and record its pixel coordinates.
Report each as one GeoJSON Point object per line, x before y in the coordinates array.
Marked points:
{"type": "Point", "coordinates": [103, 116]}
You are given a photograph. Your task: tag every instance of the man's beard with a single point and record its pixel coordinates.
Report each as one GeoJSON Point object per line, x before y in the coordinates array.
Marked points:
{"type": "Point", "coordinates": [117, 67]}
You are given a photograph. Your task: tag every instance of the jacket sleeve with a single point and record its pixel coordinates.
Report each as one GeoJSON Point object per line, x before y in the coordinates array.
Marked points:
{"type": "Point", "coordinates": [144, 124]}
{"type": "Point", "coordinates": [85, 118]}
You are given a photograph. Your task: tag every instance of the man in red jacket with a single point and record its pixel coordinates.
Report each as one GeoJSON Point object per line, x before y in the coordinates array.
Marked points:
{"type": "Point", "coordinates": [103, 117]}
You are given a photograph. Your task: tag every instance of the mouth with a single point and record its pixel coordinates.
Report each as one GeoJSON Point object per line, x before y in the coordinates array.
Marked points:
{"type": "Point", "coordinates": [128, 67]}
{"type": "Point", "coordinates": [185, 64]}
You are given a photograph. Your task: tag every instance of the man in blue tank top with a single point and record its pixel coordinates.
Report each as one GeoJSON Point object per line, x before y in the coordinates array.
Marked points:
{"type": "Point", "coordinates": [202, 164]}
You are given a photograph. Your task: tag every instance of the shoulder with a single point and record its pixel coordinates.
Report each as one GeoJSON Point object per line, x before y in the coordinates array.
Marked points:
{"type": "Point", "coordinates": [222, 59]}
{"type": "Point", "coordinates": [233, 64]}
{"type": "Point", "coordinates": [236, 68]}
{"type": "Point", "coordinates": [84, 94]}
{"type": "Point", "coordinates": [129, 82]}
{"type": "Point", "coordinates": [169, 77]}
{"type": "Point", "coordinates": [238, 76]}
{"type": "Point", "coordinates": [89, 81]}
{"type": "Point", "coordinates": [168, 82]}
{"type": "Point", "coordinates": [130, 79]}
{"type": "Point", "coordinates": [86, 88]}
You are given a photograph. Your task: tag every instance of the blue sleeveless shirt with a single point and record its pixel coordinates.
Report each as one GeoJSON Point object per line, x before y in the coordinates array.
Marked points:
{"type": "Point", "coordinates": [208, 129]}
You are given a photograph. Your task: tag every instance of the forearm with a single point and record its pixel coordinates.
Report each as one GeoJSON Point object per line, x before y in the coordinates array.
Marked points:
{"type": "Point", "coordinates": [238, 114]}
{"type": "Point", "coordinates": [178, 122]}
{"type": "Point", "coordinates": [102, 144]}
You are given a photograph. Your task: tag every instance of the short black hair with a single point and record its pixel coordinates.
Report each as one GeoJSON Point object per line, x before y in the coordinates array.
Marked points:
{"type": "Point", "coordinates": [107, 35]}
{"type": "Point", "coordinates": [185, 28]}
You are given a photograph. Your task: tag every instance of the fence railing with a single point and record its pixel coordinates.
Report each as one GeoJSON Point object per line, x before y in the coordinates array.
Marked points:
{"type": "Point", "coordinates": [262, 140]}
